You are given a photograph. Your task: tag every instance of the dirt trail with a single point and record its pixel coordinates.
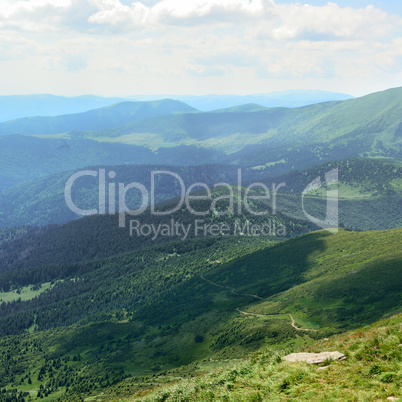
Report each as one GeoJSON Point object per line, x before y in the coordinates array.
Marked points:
{"type": "Point", "coordinates": [260, 298]}
{"type": "Point", "coordinates": [277, 315]}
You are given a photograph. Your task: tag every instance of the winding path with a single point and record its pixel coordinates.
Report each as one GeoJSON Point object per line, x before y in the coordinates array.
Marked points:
{"type": "Point", "coordinates": [260, 298]}
{"type": "Point", "coordinates": [276, 315]}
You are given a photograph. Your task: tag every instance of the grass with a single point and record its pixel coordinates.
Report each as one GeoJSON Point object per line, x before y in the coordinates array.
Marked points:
{"type": "Point", "coordinates": [330, 283]}
{"type": "Point", "coordinates": [372, 371]}
{"type": "Point", "coordinates": [349, 191]}
{"type": "Point", "coordinates": [25, 293]}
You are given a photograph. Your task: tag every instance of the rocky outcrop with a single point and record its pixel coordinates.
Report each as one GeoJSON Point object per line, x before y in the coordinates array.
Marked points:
{"type": "Point", "coordinates": [314, 358]}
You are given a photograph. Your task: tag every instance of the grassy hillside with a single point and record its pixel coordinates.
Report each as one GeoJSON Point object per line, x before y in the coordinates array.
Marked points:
{"type": "Point", "coordinates": [358, 178]}
{"type": "Point", "coordinates": [111, 337]}
{"type": "Point", "coordinates": [97, 119]}
{"type": "Point", "coordinates": [325, 280]}
{"type": "Point", "coordinates": [369, 192]}
{"type": "Point", "coordinates": [371, 371]}
{"type": "Point", "coordinates": [175, 310]}
{"type": "Point", "coordinates": [374, 121]}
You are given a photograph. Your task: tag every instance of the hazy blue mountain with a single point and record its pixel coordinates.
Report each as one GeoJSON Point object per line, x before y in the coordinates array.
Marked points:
{"type": "Point", "coordinates": [296, 98]}
{"type": "Point", "coordinates": [97, 119]}
{"type": "Point", "coordinates": [275, 140]}
{"type": "Point", "coordinates": [17, 106]}
{"type": "Point", "coordinates": [279, 138]}
{"type": "Point", "coordinates": [248, 125]}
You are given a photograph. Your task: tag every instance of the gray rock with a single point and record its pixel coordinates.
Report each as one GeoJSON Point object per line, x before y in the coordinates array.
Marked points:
{"type": "Point", "coordinates": [314, 358]}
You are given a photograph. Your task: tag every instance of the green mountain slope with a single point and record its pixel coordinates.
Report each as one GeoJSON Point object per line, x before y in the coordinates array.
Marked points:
{"type": "Point", "coordinates": [278, 139]}
{"type": "Point", "coordinates": [369, 190]}
{"type": "Point", "coordinates": [358, 178]}
{"type": "Point", "coordinates": [328, 280]}
{"type": "Point", "coordinates": [292, 98]}
{"type": "Point", "coordinates": [24, 158]}
{"type": "Point", "coordinates": [248, 107]}
{"type": "Point", "coordinates": [371, 371]}
{"type": "Point", "coordinates": [161, 313]}
{"type": "Point", "coordinates": [374, 120]}
{"type": "Point", "coordinates": [17, 106]}
{"type": "Point", "coordinates": [42, 201]}
{"type": "Point", "coordinates": [100, 236]}
{"type": "Point", "coordinates": [106, 117]}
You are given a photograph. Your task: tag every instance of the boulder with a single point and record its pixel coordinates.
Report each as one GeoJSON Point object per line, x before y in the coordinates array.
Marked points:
{"type": "Point", "coordinates": [314, 358]}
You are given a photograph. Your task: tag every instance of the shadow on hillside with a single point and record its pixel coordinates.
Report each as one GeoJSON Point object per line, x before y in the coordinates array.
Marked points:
{"type": "Point", "coordinates": [272, 270]}
{"type": "Point", "coordinates": [364, 295]}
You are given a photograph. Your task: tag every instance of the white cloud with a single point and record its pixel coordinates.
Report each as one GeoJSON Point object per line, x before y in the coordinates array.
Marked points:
{"type": "Point", "coordinates": [183, 42]}
{"type": "Point", "coordinates": [390, 58]}
{"type": "Point", "coordinates": [203, 71]}
{"type": "Point", "coordinates": [178, 12]}
{"type": "Point", "coordinates": [113, 12]}
{"type": "Point", "coordinates": [275, 21]}
{"type": "Point", "coordinates": [174, 11]}
{"type": "Point", "coordinates": [269, 20]}
{"type": "Point", "coordinates": [306, 21]}
{"type": "Point", "coordinates": [32, 15]}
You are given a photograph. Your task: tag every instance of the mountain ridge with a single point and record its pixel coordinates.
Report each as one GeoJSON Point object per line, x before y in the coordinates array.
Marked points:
{"type": "Point", "coordinates": [280, 139]}
{"type": "Point", "coordinates": [105, 117]}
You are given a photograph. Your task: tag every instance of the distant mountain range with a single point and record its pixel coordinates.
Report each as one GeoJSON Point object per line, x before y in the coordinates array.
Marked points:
{"type": "Point", "coordinates": [275, 140]}
{"type": "Point", "coordinates": [17, 106]}
{"type": "Point", "coordinates": [375, 121]}
{"type": "Point", "coordinates": [293, 98]}
{"type": "Point", "coordinates": [97, 119]}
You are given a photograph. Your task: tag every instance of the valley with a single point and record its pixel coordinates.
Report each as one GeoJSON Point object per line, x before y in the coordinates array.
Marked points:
{"type": "Point", "coordinates": [202, 259]}
{"type": "Point", "coordinates": [215, 307]}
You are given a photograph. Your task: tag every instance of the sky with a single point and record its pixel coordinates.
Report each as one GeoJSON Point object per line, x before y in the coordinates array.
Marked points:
{"type": "Point", "coordinates": [198, 47]}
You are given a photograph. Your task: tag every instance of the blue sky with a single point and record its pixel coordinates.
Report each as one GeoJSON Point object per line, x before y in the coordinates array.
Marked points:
{"type": "Point", "coordinates": [390, 6]}
{"type": "Point", "coordinates": [122, 48]}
